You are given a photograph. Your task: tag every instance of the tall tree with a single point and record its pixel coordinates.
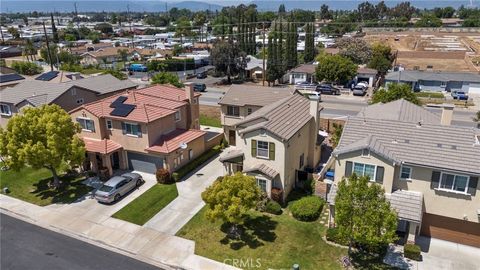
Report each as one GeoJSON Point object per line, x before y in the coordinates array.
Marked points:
{"type": "Point", "coordinates": [358, 50]}
{"type": "Point", "coordinates": [280, 67]}
{"type": "Point", "coordinates": [228, 58]}
{"type": "Point", "coordinates": [230, 198]}
{"type": "Point", "coordinates": [309, 53]}
{"type": "Point", "coordinates": [42, 137]}
{"type": "Point", "coordinates": [271, 74]}
{"type": "Point", "coordinates": [325, 13]}
{"type": "Point", "coordinates": [281, 9]}
{"type": "Point", "coordinates": [362, 213]}
{"type": "Point", "coordinates": [335, 68]}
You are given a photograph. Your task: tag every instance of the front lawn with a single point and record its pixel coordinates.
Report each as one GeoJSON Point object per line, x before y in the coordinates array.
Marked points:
{"type": "Point", "coordinates": [31, 185]}
{"type": "Point", "coordinates": [143, 208]}
{"type": "Point", "coordinates": [206, 120]}
{"type": "Point", "coordinates": [277, 241]}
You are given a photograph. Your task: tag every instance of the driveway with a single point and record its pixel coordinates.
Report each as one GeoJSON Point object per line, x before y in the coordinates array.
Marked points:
{"type": "Point", "coordinates": [87, 208]}
{"type": "Point", "coordinates": [176, 214]}
{"type": "Point", "coordinates": [442, 254]}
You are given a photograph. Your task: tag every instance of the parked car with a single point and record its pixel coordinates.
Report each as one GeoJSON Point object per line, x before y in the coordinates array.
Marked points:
{"type": "Point", "coordinates": [117, 186]}
{"type": "Point", "coordinates": [328, 89]}
{"type": "Point", "coordinates": [359, 90]}
{"type": "Point", "coordinates": [460, 95]}
{"type": "Point", "coordinates": [137, 68]}
{"type": "Point", "coordinates": [199, 87]}
{"type": "Point", "coordinates": [202, 75]}
{"type": "Point", "coordinates": [364, 84]}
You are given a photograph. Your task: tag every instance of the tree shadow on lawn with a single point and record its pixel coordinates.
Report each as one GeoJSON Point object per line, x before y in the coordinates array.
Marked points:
{"type": "Point", "coordinates": [253, 232]}
{"type": "Point", "coordinates": [70, 190]}
{"type": "Point", "coordinates": [365, 260]}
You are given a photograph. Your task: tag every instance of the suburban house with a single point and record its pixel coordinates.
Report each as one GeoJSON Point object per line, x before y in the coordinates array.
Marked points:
{"type": "Point", "coordinates": [436, 80]}
{"type": "Point", "coordinates": [368, 75]}
{"type": "Point", "coordinates": [67, 95]}
{"type": "Point", "coordinates": [110, 55]}
{"type": "Point", "coordinates": [240, 101]}
{"type": "Point", "coordinates": [142, 129]}
{"type": "Point", "coordinates": [10, 80]}
{"type": "Point", "coordinates": [428, 168]}
{"type": "Point", "coordinates": [277, 144]}
{"type": "Point", "coordinates": [254, 68]}
{"type": "Point", "coordinates": [302, 73]}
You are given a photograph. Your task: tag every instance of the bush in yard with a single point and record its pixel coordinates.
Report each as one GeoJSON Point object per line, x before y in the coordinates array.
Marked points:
{"type": "Point", "coordinates": [307, 208]}
{"type": "Point", "coordinates": [262, 202]}
{"type": "Point", "coordinates": [163, 176]}
{"type": "Point", "coordinates": [273, 207]}
{"type": "Point", "coordinates": [333, 236]}
{"type": "Point", "coordinates": [412, 251]}
{"type": "Point", "coordinates": [26, 68]}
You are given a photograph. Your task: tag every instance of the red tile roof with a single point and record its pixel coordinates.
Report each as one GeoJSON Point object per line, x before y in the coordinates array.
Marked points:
{"type": "Point", "coordinates": [171, 141]}
{"type": "Point", "coordinates": [151, 103]}
{"type": "Point", "coordinates": [101, 146]}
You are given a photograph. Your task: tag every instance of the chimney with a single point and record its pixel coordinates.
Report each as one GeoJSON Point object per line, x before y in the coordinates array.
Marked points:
{"type": "Point", "coordinates": [314, 109]}
{"type": "Point", "coordinates": [447, 114]}
{"type": "Point", "coordinates": [193, 108]}
{"type": "Point", "coordinates": [189, 93]}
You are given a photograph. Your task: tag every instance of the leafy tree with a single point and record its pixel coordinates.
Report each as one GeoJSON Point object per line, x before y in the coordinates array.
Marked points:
{"type": "Point", "coordinates": [446, 12]}
{"type": "Point", "coordinates": [27, 68]}
{"type": "Point", "coordinates": [113, 18]}
{"type": "Point", "coordinates": [395, 91]}
{"type": "Point", "coordinates": [183, 28]}
{"type": "Point", "coordinates": [428, 20]}
{"type": "Point", "coordinates": [167, 78]}
{"type": "Point", "coordinates": [14, 32]}
{"type": "Point", "coordinates": [362, 213]}
{"type": "Point", "coordinates": [228, 58]}
{"type": "Point", "coordinates": [309, 53]}
{"type": "Point", "coordinates": [471, 22]}
{"type": "Point", "coordinates": [403, 10]}
{"type": "Point", "coordinates": [271, 72]}
{"type": "Point", "coordinates": [123, 54]}
{"type": "Point", "coordinates": [367, 11]}
{"type": "Point", "coordinates": [94, 37]}
{"type": "Point", "coordinates": [199, 20]}
{"type": "Point", "coordinates": [177, 50]}
{"type": "Point", "coordinates": [335, 68]}
{"type": "Point", "coordinates": [380, 63]}
{"type": "Point", "coordinates": [336, 135]}
{"type": "Point", "coordinates": [230, 198]}
{"type": "Point", "coordinates": [42, 137]}
{"type": "Point", "coordinates": [116, 73]}
{"type": "Point", "coordinates": [358, 50]}
{"type": "Point", "coordinates": [29, 50]}
{"type": "Point", "coordinates": [382, 10]}
{"type": "Point", "coordinates": [325, 13]}
{"type": "Point", "coordinates": [105, 28]}
{"type": "Point", "coordinates": [281, 9]}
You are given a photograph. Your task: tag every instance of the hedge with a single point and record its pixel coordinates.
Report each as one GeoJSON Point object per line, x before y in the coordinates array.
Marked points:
{"type": "Point", "coordinates": [307, 208]}
{"type": "Point", "coordinates": [332, 235]}
{"type": "Point", "coordinates": [273, 207]}
{"type": "Point", "coordinates": [412, 251]}
{"type": "Point", "coordinates": [180, 173]}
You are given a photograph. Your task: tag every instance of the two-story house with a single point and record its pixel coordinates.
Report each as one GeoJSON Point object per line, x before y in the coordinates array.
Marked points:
{"type": "Point", "coordinates": [67, 95]}
{"type": "Point", "coordinates": [428, 168]}
{"type": "Point", "coordinates": [241, 100]}
{"type": "Point", "coordinates": [142, 129]}
{"type": "Point", "coordinates": [276, 144]}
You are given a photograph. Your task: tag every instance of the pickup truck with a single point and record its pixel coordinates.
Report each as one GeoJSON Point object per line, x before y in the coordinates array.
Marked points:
{"type": "Point", "coordinates": [460, 95]}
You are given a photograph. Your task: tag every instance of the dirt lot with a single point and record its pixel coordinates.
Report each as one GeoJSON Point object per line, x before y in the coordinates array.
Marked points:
{"type": "Point", "coordinates": [210, 111]}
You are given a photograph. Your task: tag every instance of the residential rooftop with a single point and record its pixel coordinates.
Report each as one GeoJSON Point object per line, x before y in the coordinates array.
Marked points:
{"type": "Point", "coordinates": [399, 110]}
{"type": "Point", "coordinates": [417, 75]}
{"type": "Point", "coordinates": [242, 95]}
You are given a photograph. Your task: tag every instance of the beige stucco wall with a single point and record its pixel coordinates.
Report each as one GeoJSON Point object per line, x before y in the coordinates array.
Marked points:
{"type": "Point", "coordinates": [232, 120]}
{"type": "Point", "coordinates": [198, 147]}
{"type": "Point", "coordinates": [99, 127]}
{"type": "Point", "coordinates": [440, 202]}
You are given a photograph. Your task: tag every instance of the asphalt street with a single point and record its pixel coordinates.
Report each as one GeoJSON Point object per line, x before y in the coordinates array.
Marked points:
{"type": "Point", "coordinates": [26, 246]}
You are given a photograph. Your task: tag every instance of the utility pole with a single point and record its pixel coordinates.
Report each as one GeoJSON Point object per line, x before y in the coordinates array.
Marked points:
{"type": "Point", "coordinates": [76, 20]}
{"type": "Point", "coordinates": [48, 46]}
{"type": "Point", "coordinates": [263, 55]}
{"type": "Point", "coordinates": [130, 23]}
{"type": "Point", "coordinates": [1, 32]}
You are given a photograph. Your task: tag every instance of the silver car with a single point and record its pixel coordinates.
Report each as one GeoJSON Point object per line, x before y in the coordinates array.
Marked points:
{"type": "Point", "coordinates": [117, 186]}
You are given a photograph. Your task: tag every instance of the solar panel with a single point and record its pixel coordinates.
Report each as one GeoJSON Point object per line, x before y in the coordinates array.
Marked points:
{"type": "Point", "coordinates": [122, 110]}
{"type": "Point", "coordinates": [118, 101]}
{"type": "Point", "coordinates": [47, 76]}
{"type": "Point", "coordinates": [10, 78]}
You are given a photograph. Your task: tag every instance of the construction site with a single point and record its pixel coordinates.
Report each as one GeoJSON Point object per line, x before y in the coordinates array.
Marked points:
{"type": "Point", "coordinates": [432, 50]}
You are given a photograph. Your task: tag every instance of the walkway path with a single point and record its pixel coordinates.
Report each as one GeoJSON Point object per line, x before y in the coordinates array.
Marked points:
{"type": "Point", "coordinates": [189, 201]}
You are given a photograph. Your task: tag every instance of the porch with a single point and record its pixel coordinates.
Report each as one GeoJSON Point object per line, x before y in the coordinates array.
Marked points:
{"type": "Point", "coordinates": [103, 157]}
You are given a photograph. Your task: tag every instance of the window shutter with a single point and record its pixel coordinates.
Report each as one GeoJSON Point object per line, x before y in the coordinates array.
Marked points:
{"type": "Point", "coordinates": [379, 174]}
{"type": "Point", "coordinates": [472, 185]}
{"type": "Point", "coordinates": [348, 168]}
{"type": "Point", "coordinates": [435, 179]}
{"type": "Point", "coordinates": [124, 128]}
{"type": "Point", "coordinates": [271, 148]}
{"type": "Point", "coordinates": [254, 148]}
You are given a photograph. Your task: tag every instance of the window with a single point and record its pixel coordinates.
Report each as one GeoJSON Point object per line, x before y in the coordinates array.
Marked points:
{"type": "Point", "coordinates": [190, 154]}
{"type": "Point", "coordinates": [405, 173]}
{"type": "Point", "coordinates": [301, 163]}
{"type": "Point", "coordinates": [5, 109]}
{"type": "Point", "coordinates": [80, 101]}
{"type": "Point", "coordinates": [109, 124]}
{"type": "Point", "coordinates": [443, 84]}
{"type": "Point", "coordinates": [132, 129]}
{"type": "Point", "coordinates": [233, 111]}
{"type": "Point", "coordinates": [262, 183]}
{"type": "Point", "coordinates": [454, 182]}
{"type": "Point", "coordinates": [86, 124]}
{"type": "Point", "coordinates": [177, 116]}
{"type": "Point", "coordinates": [73, 91]}
{"type": "Point", "coordinates": [262, 149]}
{"type": "Point", "coordinates": [249, 111]}
{"type": "Point", "coordinates": [361, 169]}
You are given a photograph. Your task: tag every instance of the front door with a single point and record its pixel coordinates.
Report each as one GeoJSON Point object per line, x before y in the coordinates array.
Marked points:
{"type": "Point", "coordinates": [115, 161]}
{"type": "Point", "coordinates": [231, 137]}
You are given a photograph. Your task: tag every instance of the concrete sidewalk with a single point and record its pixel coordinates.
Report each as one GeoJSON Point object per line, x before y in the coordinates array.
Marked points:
{"type": "Point", "coordinates": [142, 243]}
{"type": "Point", "coordinates": [189, 201]}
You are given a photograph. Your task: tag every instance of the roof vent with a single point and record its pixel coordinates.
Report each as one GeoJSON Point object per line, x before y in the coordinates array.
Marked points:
{"type": "Point", "coordinates": [419, 123]}
{"type": "Point", "coordinates": [407, 141]}
{"type": "Point", "coordinates": [454, 147]}
{"type": "Point", "coordinates": [439, 145]}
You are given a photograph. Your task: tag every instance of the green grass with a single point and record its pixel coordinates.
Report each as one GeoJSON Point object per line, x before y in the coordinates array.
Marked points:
{"type": "Point", "coordinates": [143, 208]}
{"type": "Point", "coordinates": [277, 242]}
{"type": "Point", "coordinates": [31, 185]}
{"type": "Point", "coordinates": [429, 95]}
{"type": "Point", "coordinates": [89, 71]}
{"type": "Point", "coordinates": [209, 121]}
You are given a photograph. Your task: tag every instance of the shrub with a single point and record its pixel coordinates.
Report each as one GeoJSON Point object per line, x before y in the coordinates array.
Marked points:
{"type": "Point", "coordinates": [333, 236]}
{"type": "Point", "coordinates": [163, 176]}
{"type": "Point", "coordinates": [262, 203]}
{"type": "Point", "coordinates": [175, 177]}
{"type": "Point", "coordinates": [307, 208]}
{"type": "Point", "coordinates": [273, 207]}
{"type": "Point", "coordinates": [412, 251]}
{"type": "Point", "coordinates": [27, 68]}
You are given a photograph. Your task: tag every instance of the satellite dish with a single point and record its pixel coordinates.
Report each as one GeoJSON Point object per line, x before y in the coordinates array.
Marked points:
{"type": "Point", "coordinates": [183, 146]}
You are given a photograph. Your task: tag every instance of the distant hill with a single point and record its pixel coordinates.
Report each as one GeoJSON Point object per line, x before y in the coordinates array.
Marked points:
{"type": "Point", "coordinates": [195, 5]}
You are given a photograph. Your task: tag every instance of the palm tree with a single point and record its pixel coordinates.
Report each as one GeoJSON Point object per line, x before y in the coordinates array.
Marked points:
{"type": "Point", "coordinates": [476, 119]}
{"type": "Point", "coordinates": [29, 50]}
